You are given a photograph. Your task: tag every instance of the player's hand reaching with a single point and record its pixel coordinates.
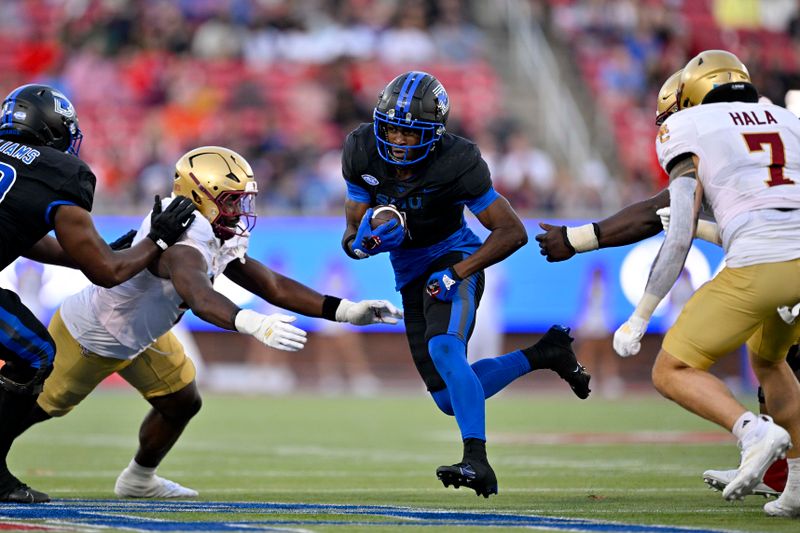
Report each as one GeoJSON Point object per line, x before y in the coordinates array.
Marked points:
{"type": "Point", "coordinates": [663, 214]}
{"type": "Point", "coordinates": [384, 238]}
{"type": "Point", "coordinates": [553, 243]}
{"type": "Point", "coordinates": [273, 330]}
{"type": "Point", "coordinates": [124, 242]}
{"type": "Point", "coordinates": [167, 226]}
{"type": "Point", "coordinates": [706, 230]}
{"type": "Point", "coordinates": [628, 338]}
{"type": "Point", "coordinates": [443, 285]}
{"type": "Point", "coordinates": [368, 312]}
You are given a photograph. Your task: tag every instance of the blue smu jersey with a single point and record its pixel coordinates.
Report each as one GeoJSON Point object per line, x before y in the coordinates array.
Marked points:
{"type": "Point", "coordinates": [454, 175]}
{"type": "Point", "coordinates": [34, 182]}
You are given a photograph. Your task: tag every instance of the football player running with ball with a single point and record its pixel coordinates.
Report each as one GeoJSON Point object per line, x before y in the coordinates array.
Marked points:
{"type": "Point", "coordinates": [742, 158]}
{"type": "Point", "coordinates": [44, 186]}
{"type": "Point", "coordinates": [126, 329]}
{"type": "Point", "coordinates": [405, 158]}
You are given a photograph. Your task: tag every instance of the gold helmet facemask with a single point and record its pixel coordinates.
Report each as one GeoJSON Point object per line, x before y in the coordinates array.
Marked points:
{"type": "Point", "coordinates": [668, 98]}
{"type": "Point", "coordinates": [707, 71]}
{"type": "Point", "coordinates": [220, 183]}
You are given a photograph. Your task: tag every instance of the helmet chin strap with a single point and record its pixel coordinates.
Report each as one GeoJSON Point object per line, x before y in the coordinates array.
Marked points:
{"type": "Point", "coordinates": [223, 232]}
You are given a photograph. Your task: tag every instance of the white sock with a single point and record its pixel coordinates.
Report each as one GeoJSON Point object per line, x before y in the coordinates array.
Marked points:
{"type": "Point", "coordinates": [139, 470]}
{"type": "Point", "coordinates": [791, 494]}
{"type": "Point", "coordinates": [744, 424]}
{"type": "Point", "coordinates": [794, 472]}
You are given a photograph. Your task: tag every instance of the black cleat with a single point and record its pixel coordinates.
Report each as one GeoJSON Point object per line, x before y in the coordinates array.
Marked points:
{"type": "Point", "coordinates": [477, 476]}
{"type": "Point", "coordinates": [554, 352]}
{"type": "Point", "coordinates": [22, 493]}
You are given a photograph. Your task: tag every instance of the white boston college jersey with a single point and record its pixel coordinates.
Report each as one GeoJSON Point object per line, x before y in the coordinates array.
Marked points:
{"type": "Point", "coordinates": [123, 321]}
{"type": "Point", "coordinates": [749, 166]}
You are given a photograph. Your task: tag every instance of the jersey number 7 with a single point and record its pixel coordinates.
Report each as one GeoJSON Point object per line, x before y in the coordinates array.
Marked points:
{"type": "Point", "coordinates": [8, 175]}
{"type": "Point", "coordinates": [755, 143]}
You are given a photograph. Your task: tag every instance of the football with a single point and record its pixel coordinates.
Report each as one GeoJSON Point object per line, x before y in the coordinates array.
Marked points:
{"type": "Point", "coordinates": [384, 213]}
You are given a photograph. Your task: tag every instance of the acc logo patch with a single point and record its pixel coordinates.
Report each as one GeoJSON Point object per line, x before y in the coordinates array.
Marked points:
{"type": "Point", "coordinates": [371, 180]}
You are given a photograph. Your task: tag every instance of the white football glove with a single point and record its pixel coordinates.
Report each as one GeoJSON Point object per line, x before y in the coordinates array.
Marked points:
{"type": "Point", "coordinates": [368, 312]}
{"type": "Point", "coordinates": [628, 338]}
{"type": "Point", "coordinates": [706, 230]}
{"type": "Point", "coordinates": [273, 330]}
{"type": "Point", "coordinates": [663, 214]}
{"type": "Point", "coordinates": [789, 314]}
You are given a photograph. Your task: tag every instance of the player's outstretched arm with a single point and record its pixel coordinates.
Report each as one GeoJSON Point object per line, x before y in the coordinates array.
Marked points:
{"type": "Point", "coordinates": [507, 236]}
{"type": "Point", "coordinates": [686, 193]}
{"type": "Point", "coordinates": [186, 268]}
{"type": "Point", "coordinates": [629, 225]}
{"type": "Point", "coordinates": [49, 251]}
{"type": "Point", "coordinates": [289, 294]}
{"type": "Point", "coordinates": [103, 266]}
{"type": "Point", "coordinates": [707, 230]}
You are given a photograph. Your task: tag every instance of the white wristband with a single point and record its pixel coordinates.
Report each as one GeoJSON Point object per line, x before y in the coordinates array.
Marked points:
{"type": "Point", "coordinates": [582, 238]}
{"type": "Point", "coordinates": [247, 321]}
{"type": "Point", "coordinates": [341, 310]}
{"type": "Point", "coordinates": [708, 231]}
{"type": "Point", "coordinates": [646, 306]}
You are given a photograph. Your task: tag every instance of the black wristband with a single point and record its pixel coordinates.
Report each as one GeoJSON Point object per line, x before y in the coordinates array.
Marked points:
{"type": "Point", "coordinates": [346, 246]}
{"type": "Point", "coordinates": [329, 306]}
{"type": "Point", "coordinates": [455, 274]}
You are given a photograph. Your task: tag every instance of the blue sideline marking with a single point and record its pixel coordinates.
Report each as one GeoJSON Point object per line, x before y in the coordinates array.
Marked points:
{"type": "Point", "coordinates": [114, 514]}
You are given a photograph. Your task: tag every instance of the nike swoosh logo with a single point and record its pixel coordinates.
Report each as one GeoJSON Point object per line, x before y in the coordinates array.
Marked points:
{"type": "Point", "coordinates": [186, 222]}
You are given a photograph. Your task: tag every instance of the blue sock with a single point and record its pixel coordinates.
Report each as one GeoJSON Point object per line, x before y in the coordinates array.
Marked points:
{"type": "Point", "coordinates": [449, 354]}
{"type": "Point", "coordinates": [494, 373]}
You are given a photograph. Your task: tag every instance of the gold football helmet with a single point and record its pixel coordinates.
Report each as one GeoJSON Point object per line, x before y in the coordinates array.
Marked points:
{"type": "Point", "coordinates": [706, 71]}
{"type": "Point", "coordinates": [668, 98]}
{"type": "Point", "coordinates": [220, 183]}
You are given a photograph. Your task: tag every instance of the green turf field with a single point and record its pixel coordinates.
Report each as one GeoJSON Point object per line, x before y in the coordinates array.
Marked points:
{"type": "Point", "coordinates": [555, 456]}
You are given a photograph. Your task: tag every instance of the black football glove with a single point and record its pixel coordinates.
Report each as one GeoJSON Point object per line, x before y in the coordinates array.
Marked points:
{"type": "Point", "coordinates": [124, 242]}
{"type": "Point", "coordinates": [167, 227]}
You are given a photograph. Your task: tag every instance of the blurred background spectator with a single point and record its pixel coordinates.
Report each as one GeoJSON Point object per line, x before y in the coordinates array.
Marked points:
{"type": "Point", "coordinates": [594, 330]}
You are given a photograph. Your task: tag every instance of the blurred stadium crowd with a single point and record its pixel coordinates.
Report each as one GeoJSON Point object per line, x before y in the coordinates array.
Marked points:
{"type": "Point", "coordinates": [284, 81]}
{"type": "Point", "coordinates": [626, 49]}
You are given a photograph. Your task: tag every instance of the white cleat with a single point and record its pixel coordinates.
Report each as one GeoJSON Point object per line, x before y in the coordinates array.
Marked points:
{"type": "Point", "coordinates": [719, 479]}
{"type": "Point", "coordinates": [767, 444]}
{"type": "Point", "coordinates": [132, 486]}
{"type": "Point", "coordinates": [783, 507]}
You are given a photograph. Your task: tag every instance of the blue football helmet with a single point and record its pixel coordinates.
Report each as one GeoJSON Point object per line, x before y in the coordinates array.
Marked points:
{"type": "Point", "coordinates": [413, 101]}
{"type": "Point", "coordinates": [40, 115]}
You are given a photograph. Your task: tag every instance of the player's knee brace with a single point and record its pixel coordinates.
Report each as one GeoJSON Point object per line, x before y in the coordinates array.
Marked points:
{"type": "Point", "coordinates": [442, 400]}
{"type": "Point", "coordinates": [449, 353]}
